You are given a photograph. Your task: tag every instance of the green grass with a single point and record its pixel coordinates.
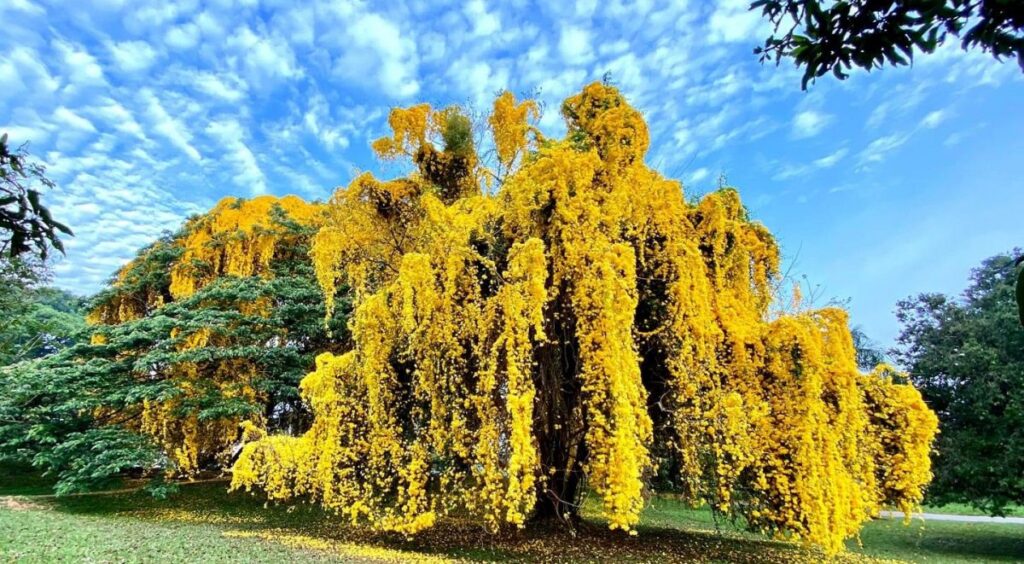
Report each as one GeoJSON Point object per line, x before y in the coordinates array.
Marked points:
{"type": "Point", "coordinates": [964, 509]}
{"type": "Point", "coordinates": [942, 541]}
{"type": "Point", "coordinates": [205, 523]}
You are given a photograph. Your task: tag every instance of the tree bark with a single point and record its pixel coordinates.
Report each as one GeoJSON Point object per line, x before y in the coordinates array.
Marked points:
{"type": "Point", "coordinates": [559, 425]}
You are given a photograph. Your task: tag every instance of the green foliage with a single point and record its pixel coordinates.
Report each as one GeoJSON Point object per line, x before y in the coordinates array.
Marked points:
{"type": "Point", "coordinates": [1020, 288]}
{"type": "Point", "coordinates": [25, 223]}
{"type": "Point", "coordinates": [869, 355]}
{"type": "Point", "coordinates": [17, 278]}
{"type": "Point", "coordinates": [72, 413]}
{"type": "Point", "coordinates": [93, 458]}
{"type": "Point", "coordinates": [38, 322]}
{"type": "Point", "coordinates": [834, 37]}
{"type": "Point", "coordinates": [458, 133]}
{"type": "Point", "coordinates": [149, 273]}
{"type": "Point", "coordinates": [966, 356]}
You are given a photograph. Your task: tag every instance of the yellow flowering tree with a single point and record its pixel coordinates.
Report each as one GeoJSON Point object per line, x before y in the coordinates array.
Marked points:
{"type": "Point", "coordinates": [563, 320]}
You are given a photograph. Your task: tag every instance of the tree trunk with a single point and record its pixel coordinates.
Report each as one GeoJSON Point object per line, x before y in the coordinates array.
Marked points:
{"type": "Point", "coordinates": [559, 425]}
{"type": "Point", "coordinates": [558, 498]}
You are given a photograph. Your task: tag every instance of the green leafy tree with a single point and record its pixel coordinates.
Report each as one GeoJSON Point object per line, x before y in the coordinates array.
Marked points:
{"type": "Point", "coordinates": [85, 413]}
{"type": "Point", "coordinates": [1020, 288]}
{"type": "Point", "coordinates": [18, 276]}
{"type": "Point", "coordinates": [43, 321]}
{"type": "Point", "coordinates": [966, 356]}
{"type": "Point", "coordinates": [25, 223]}
{"type": "Point", "coordinates": [869, 355]}
{"type": "Point", "coordinates": [834, 37]}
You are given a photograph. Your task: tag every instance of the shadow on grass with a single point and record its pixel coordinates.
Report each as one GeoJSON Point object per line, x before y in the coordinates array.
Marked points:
{"type": "Point", "coordinates": [307, 526]}
{"type": "Point", "coordinates": [17, 479]}
{"type": "Point", "coordinates": [944, 540]}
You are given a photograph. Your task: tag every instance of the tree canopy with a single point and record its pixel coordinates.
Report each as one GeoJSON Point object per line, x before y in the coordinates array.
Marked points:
{"type": "Point", "coordinates": [203, 330]}
{"type": "Point", "coordinates": [1019, 263]}
{"type": "Point", "coordinates": [25, 223]}
{"type": "Point", "coordinates": [966, 355]}
{"type": "Point", "coordinates": [834, 37]}
{"type": "Point", "coordinates": [38, 320]}
{"type": "Point", "coordinates": [563, 320]}
{"type": "Point", "coordinates": [518, 321]}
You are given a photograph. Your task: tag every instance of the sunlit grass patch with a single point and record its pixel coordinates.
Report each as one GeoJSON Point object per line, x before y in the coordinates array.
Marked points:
{"type": "Point", "coordinates": [349, 551]}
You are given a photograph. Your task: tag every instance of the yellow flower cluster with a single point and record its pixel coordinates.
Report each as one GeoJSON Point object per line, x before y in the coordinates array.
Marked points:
{"type": "Point", "coordinates": [510, 123]}
{"type": "Point", "coordinates": [511, 349]}
{"type": "Point", "coordinates": [410, 127]}
{"type": "Point", "coordinates": [902, 429]}
{"type": "Point", "coordinates": [233, 239]}
{"type": "Point", "coordinates": [236, 238]}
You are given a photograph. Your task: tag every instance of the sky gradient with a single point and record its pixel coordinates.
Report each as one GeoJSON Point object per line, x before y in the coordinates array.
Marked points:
{"type": "Point", "coordinates": [885, 185]}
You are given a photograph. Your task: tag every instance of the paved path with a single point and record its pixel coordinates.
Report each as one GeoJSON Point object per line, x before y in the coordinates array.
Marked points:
{"type": "Point", "coordinates": [958, 518]}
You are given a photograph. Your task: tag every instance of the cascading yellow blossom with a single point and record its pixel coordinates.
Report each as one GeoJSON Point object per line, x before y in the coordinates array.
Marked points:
{"type": "Point", "coordinates": [571, 331]}
{"type": "Point", "coordinates": [902, 429]}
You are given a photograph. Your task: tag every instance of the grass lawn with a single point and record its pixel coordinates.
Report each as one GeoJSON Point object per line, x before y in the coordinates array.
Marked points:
{"type": "Point", "coordinates": [205, 523]}
{"type": "Point", "coordinates": [964, 509]}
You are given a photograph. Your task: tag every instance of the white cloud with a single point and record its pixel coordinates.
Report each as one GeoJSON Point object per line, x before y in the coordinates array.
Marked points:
{"type": "Point", "coordinates": [23, 6]}
{"type": "Point", "coordinates": [22, 69]}
{"type": "Point", "coordinates": [80, 67]}
{"type": "Point", "coordinates": [114, 206]}
{"type": "Point", "coordinates": [699, 174]}
{"type": "Point", "coordinates": [574, 45]}
{"type": "Point", "coordinates": [170, 128]}
{"type": "Point", "coordinates": [211, 27]}
{"type": "Point", "coordinates": [148, 16]}
{"type": "Point", "coordinates": [585, 8]}
{"type": "Point", "coordinates": [613, 47]}
{"type": "Point", "coordinates": [626, 70]}
{"type": "Point", "coordinates": [969, 68]}
{"type": "Point", "coordinates": [213, 85]}
{"type": "Point", "coordinates": [132, 56]}
{"type": "Point", "coordinates": [432, 46]}
{"type": "Point", "coordinates": [683, 139]}
{"type": "Point", "coordinates": [934, 119]}
{"type": "Point", "coordinates": [297, 23]}
{"type": "Point", "coordinates": [899, 102]}
{"type": "Point", "coordinates": [809, 123]}
{"type": "Point", "coordinates": [264, 57]}
{"type": "Point", "coordinates": [18, 134]}
{"type": "Point", "coordinates": [375, 49]}
{"type": "Point", "coordinates": [479, 79]}
{"type": "Point", "coordinates": [182, 37]}
{"type": "Point", "coordinates": [733, 21]}
{"type": "Point", "coordinates": [829, 161]}
{"type": "Point", "coordinates": [880, 148]}
{"type": "Point", "coordinates": [484, 22]}
{"type": "Point", "coordinates": [73, 120]}
{"type": "Point", "coordinates": [247, 171]}
{"type": "Point", "coordinates": [118, 117]}
{"type": "Point", "coordinates": [316, 120]}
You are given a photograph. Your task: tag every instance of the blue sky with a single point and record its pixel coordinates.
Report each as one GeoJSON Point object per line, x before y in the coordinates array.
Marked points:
{"type": "Point", "coordinates": [882, 186]}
